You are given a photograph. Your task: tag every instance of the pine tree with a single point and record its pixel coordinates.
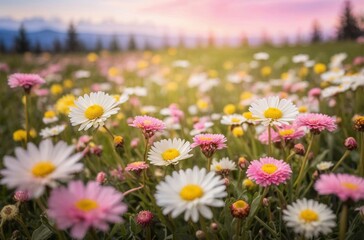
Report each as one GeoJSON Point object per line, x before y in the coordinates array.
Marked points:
{"type": "Point", "coordinates": [131, 43]}
{"type": "Point", "coordinates": [349, 28]}
{"type": "Point", "coordinates": [57, 46]}
{"type": "Point", "coordinates": [37, 47]}
{"type": "Point", "coordinates": [21, 41]}
{"type": "Point", "coordinates": [165, 41]}
{"type": "Point", "coordinates": [72, 43]}
{"type": "Point", "coordinates": [316, 32]}
{"type": "Point", "coordinates": [211, 39]}
{"type": "Point", "coordinates": [243, 41]}
{"type": "Point", "coordinates": [181, 40]}
{"type": "Point", "coordinates": [2, 46]}
{"type": "Point", "coordinates": [98, 46]}
{"type": "Point", "coordinates": [114, 44]}
{"type": "Point", "coordinates": [265, 39]}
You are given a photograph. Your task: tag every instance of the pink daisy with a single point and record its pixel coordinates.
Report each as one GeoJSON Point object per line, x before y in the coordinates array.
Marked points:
{"type": "Point", "coordinates": [24, 80]}
{"type": "Point", "coordinates": [81, 207]}
{"type": "Point", "coordinates": [344, 186]}
{"type": "Point", "coordinates": [136, 167]}
{"type": "Point", "coordinates": [264, 136]}
{"type": "Point", "coordinates": [209, 143]}
{"type": "Point", "coordinates": [148, 125]}
{"type": "Point", "coordinates": [267, 171]}
{"type": "Point", "coordinates": [287, 132]}
{"type": "Point", "coordinates": [316, 122]}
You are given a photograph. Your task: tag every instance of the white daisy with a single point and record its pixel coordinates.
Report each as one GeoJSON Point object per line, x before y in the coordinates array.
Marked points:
{"type": "Point", "coordinates": [53, 131]}
{"type": "Point", "coordinates": [224, 165]}
{"type": "Point", "coordinates": [261, 56]}
{"type": "Point", "coordinates": [93, 110]}
{"type": "Point", "coordinates": [300, 58]}
{"type": "Point", "coordinates": [191, 191]}
{"type": "Point", "coordinates": [322, 166]}
{"type": "Point", "coordinates": [309, 218]}
{"type": "Point", "coordinates": [273, 111]}
{"type": "Point", "coordinates": [35, 168]}
{"type": "Point", "coordinates": [169, 151]}
{"type": "Point", "coordinates": [233, 119]}
{"type": "Point", "coordinates": [50, 117]}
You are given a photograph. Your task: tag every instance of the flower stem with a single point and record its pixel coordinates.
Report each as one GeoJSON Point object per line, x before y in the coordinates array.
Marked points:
{"type": "Point", "coordinates": [148, 233]}
{"type": "Point", "coordinates": [26, 231]}
{"type": "Point", "coordinates": [146, 150]}
{"type": "Point", "coordinates": [343, 221]}
{"type": "Point", "coordinates": [109, 132]}
{"type": "Point", "coordinates": [250, 219]}
{"type": "Point", "coordinates": [275, 235]}
{"type": "Point", "coordinates": [132, 190]}
{"type": "Point", "coordinates": [269, 141]}
{"type": "Point", "coordinates": [238, 227]}
{"type": "Point", "coordinates": [26, 113]}
{"type": "Point", "coordinates": [346, 153]}
{"type": "Point", "coordinates": [209, 163]}
{"type": "Point", "coordinates": [304, 163]}
{"type": "Point", "coordinates": [361, 163]}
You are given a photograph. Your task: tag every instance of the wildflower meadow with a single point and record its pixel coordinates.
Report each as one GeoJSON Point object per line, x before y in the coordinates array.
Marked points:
{"type": "Point", "coordinates": [221, 143]}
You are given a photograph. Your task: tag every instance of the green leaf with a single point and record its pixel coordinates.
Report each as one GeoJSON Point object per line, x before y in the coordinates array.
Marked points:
{"type": "Point", "coordinates": [42, 233]}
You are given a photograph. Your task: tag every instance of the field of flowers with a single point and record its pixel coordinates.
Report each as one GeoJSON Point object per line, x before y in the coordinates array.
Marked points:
{"type": "Point", "coordinates": [214, 143]}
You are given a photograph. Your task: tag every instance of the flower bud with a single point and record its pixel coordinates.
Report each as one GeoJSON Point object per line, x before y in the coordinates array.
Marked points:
{"type": "Point", "coordinates": [214, 227]}
{"type": "Point", "coordinates": [144, 218]}
{"type": "Point", "coordinates": [243, 163]}
{"type": "Point", "coordinates": [118, 141]}
{"type": "Point", "coordinates": [359, 123]}
{"type": "Point", "coordinates": [9, 212]}
{"type": "Point", "coordinates": [350, 143]}
{"type": "Point", "coordinates": [200, 234]}
{"type": "Point", "coordinates": [299, 149]}
{"type": "Point", "coordinates": [315, 174]}
{"type": "Point", "coordinates": [227, 181]}
{"type": "Point", "coordinates": [21, 196]}
{"type": "Point", "coordinates": [240, 209]}
{"type": "Point", "coordinates": [249, 184]}
{"type": "Point", "coordinates": [265, 202]}
{"type": "Point", "coordinates": [101, 177]}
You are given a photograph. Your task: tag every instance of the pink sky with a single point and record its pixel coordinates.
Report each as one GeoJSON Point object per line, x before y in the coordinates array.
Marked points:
{"type": "Point", "coordinates": [224, 17]}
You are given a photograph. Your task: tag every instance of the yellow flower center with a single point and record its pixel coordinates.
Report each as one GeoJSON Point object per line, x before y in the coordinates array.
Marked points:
{"type": "Point", "coordinates": [238, 131]}
{"type": "Point", "coordinates": [248, 115]}
{"type": "Point", "coordinates": [308, 216]}
{"type": "Point", "coordinates": [116, 97]}
{"type": "Point", "coordinates": [86, 205]}
{"type": "Point", "coordinates": [94, 111]}
{"type": "Point", "coordinates": [273, 113]}
{"type": "Point", "coordinates": [147, 122]}
{"type": "Point", "coordinates": [302, 109]}
{"type": "Point", "coordinates": [286, 132]}
{"type": "Point", "coordinates": [350, 186]}
{"type": "Point", "coordinates": [191, 192]}
{"type": "Point", "coordinates": [49, 114]}
{"type": "Point", "coordinates": [170, 154]}
{"type": "Point", "coordinates": [20, 135]}
{"type": "Point", "coordinates": [43, 168]}
{"type": "Point", "coordinates": [203, 138]}
{"type": "Point", "coordinates": [235, 120]}
{"type": "Point", "coordinates": [118, 140]}
{"type": "Point", "coordinates": [229, 109]}
{"type": "Point", "coordinates": [269, 168]}
{"type": "Point", "coordinates": [246, 95]}
{"type": "Point", "coordinates": [218, 167]}
{"type": "Point", "coordinates": [239, 204]}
